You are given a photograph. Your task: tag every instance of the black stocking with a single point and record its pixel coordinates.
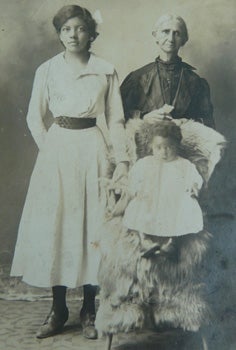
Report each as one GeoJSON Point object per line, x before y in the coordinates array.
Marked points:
{"type": "Point", "coordinates": [59, 298]}
{"type": "Point", "coordinates": [89, 299]}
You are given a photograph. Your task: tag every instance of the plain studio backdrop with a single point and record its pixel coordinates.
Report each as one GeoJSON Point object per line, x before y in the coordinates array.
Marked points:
{"type": "Point", "coordinates": [28, 38]}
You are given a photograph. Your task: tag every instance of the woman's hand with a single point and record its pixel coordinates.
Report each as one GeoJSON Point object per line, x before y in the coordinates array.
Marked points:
{"type": "Point", "coordinates": [117, 196]}
{"type": "Point", "coordinates": [159, 114]}
{"type": "Point", "coordinates": [121, 171]}
{"type": "Point", "coordinates": [153, 116]}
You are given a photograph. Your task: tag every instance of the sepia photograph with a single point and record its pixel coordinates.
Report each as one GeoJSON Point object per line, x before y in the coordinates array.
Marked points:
{"type": "Point", "coordinates": [117, 175]}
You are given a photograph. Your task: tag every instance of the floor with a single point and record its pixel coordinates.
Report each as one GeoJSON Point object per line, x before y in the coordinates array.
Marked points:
{"type": "Point", "coordinates": [20, 320]}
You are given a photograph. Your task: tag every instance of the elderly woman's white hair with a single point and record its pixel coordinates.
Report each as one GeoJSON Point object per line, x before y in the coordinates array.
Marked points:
{"type": "Point", "coordinates": [169, 17]}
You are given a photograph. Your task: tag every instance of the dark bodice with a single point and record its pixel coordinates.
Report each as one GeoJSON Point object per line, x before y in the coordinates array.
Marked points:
{"type": "Point", "coordinates": [174, 83]}
{"type": "Point", "coordinates": [169, 75]}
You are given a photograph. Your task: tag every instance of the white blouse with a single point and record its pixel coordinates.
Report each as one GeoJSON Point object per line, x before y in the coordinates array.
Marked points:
{"type": "Point", "coordinates": [93, 93]}
{"type": "Point", "coordinates": [164, 197]}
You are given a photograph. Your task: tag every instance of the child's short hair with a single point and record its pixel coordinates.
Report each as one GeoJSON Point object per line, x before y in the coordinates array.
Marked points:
{"type": "Point", "coordinates": [146, 133]}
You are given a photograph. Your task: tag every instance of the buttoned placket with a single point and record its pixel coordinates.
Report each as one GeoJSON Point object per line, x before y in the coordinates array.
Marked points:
{"type": "Point", "coordinates": [166, 84]}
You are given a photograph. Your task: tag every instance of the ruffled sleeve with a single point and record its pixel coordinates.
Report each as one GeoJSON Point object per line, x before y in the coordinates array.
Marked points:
{"type": "Point", "coordinates": [202, 108]}
{"type": "Point", "coordinates": [38, 105]}
{"type": "Point", "coordinates": [115, 119]}
{"type": "Point", "coordinates": [131, 93]}
{"type": "Point", "coordinates": [205, 104]}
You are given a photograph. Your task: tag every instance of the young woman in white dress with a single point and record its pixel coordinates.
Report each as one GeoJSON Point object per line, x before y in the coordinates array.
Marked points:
{"type": "Point", "coordinates": [58, 237]}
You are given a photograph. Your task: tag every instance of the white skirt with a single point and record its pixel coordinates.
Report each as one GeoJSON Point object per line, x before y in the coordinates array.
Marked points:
{"type": "Point", "coordinates": [59, 230]}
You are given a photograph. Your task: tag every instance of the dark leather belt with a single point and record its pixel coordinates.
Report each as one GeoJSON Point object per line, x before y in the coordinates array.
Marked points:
{"type": "Point", "coordinates": [75, 123]}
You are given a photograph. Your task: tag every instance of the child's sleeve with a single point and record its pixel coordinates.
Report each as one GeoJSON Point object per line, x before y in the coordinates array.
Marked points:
{"type": "Point", "coordinates": [135, 178]}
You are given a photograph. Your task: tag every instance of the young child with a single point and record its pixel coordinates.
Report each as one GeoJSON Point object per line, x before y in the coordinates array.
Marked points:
{"type": "Point", "coordinates": [163, 188]}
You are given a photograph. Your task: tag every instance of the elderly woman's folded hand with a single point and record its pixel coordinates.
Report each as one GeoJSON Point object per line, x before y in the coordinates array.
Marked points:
{"type": "Point", "coordinates": [159, 114]}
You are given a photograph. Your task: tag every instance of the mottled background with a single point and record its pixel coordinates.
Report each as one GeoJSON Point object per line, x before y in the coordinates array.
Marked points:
{"type": "Point", "coordinates": [28, 38]}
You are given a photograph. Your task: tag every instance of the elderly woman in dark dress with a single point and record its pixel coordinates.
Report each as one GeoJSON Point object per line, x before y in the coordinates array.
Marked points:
{"type": "Point", "coordinates": [168, 86]}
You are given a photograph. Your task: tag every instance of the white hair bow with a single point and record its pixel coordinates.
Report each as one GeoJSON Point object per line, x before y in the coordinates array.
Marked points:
{"type": "Point", "coordinates": [98, 17]}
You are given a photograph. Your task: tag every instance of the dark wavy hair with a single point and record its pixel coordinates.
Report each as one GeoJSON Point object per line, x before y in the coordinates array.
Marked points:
{"type": "Point", "coordinates": [146, 133]}
{"type": "Point", "coordinates": [71, 11]}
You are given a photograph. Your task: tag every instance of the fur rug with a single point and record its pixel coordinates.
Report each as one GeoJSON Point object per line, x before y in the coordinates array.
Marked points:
{"type": "Point", "coordinates": [137, 292]}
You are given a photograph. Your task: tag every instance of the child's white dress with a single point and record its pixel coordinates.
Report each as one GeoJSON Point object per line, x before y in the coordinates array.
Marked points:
{"type": "Point", "coordinates": [59, 227]}
{"type": "Point", "coordinates": [163, 201]}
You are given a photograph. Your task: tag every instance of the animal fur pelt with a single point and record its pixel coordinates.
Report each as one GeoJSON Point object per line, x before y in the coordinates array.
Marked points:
{"type": "Point", "coordinates": [164, 288]}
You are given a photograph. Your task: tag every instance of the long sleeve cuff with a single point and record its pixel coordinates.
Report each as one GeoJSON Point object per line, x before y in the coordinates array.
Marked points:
{"type": "Point", "coordinates": [118, 140]}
